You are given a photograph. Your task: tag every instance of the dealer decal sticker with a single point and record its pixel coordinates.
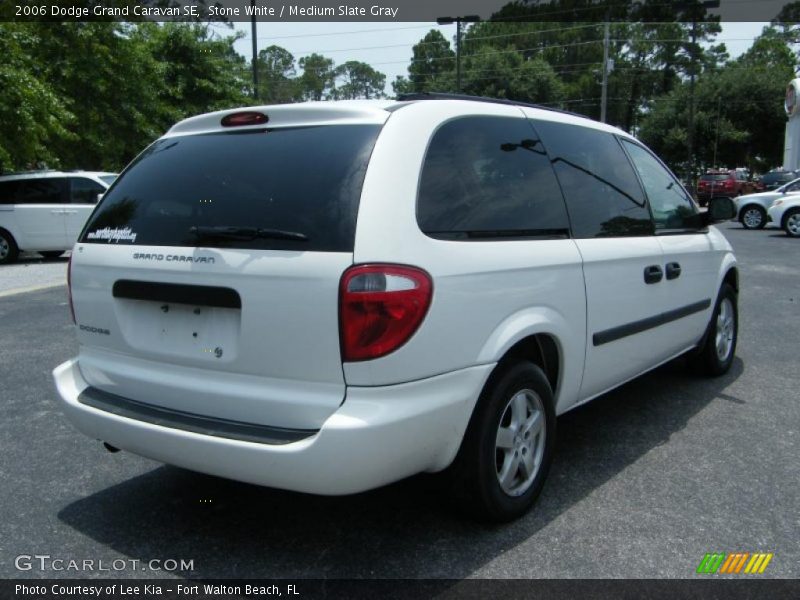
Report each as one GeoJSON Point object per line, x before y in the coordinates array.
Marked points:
{"type": "Point", "coordinates": [115, 235]}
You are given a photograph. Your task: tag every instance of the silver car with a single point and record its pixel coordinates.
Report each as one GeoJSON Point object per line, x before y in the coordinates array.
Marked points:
{"type": "Point", "coordinates": [752, 208]}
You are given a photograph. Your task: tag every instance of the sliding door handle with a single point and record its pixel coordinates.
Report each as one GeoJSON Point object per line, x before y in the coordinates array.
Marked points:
{"type": "Point", "coordinates": [673, 270]}
{"type": "Point", "coordinates": [653, 274]}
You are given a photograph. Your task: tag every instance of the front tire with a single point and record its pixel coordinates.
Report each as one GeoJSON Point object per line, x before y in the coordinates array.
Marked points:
{"type": "Point", "coordinates": [508, 447]}
{"type": "Point", "coordinates": [9, 252]}
{"type": "Point", "coordinates": [717, 353]}
{"type": "Point", "coordinates": [753, 217]}
{"type": "Point", "coordinates": [791, 223]}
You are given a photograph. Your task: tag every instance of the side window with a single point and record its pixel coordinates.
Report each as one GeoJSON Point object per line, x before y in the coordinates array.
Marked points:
{"type": "Point", "coordinates": [84, 191]}
{"type": "Point", "coordinates": [50, 190]}
{"type": "Point", "coordinates": [604, 198]}
{"type": "Point", "coordinates": [672, 208]}
{"type": "Point", "coordinates": [489, 177]}
{"type": "Point", "coordinates": [8, 192]}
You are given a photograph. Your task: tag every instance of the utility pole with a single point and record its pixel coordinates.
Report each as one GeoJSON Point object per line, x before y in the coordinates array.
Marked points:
{"type": "Point", "coordinates": [716, 139]}
{"type": "Point", "coordinates": [694, 6]}
{"type": "Point", "coordinates": [690, 132]}
{"type": "Point", "coordinates": [458, 21]}
{"type": "Point", "coordinates": [604, 94]}
{"type": "Point", "coordinates": [255, 50]}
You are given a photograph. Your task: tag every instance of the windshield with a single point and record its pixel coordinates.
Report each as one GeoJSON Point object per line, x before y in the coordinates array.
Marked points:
{"type": "Point", "coordinates": [715, 177]}
{"type": "Point", "coordinates": [108, 179]}
{"type": "Point", "coordinates": [792, 186]}
{"type": "Point", "coordinates": [305, 180]}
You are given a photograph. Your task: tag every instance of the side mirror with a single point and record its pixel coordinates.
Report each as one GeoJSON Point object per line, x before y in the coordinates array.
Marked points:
{"type": "Point", "coordinates": [99, 197]}
{"type": "Point", "coordinates": [719, 209]}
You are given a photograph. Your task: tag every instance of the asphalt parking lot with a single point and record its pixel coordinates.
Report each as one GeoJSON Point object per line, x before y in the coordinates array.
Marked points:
{"type": "Point", "coordinates": [646, 480]}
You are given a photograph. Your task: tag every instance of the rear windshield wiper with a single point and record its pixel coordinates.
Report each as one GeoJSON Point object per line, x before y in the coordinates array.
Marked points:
{"type": "Point", "coordinates": [245, 233]}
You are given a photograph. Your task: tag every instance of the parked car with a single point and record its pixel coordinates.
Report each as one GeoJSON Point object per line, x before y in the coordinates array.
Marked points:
{"type": "Point", "coordinates": [728, 184]}
{"type": "Point", "coordinates": [785, 213]}
{"type": "Point", "coordinates": [329, 297]}
{"type": "Point", "coordinates": [775, 179]}
{"type": "Point", "coordinates": [751, 209]}
{"type": "Point", "coordinates": [44, 211]}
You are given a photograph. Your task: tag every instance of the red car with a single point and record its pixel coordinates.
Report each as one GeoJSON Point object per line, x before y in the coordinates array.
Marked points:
{"type": "Point", "coordinates": [722, 183]}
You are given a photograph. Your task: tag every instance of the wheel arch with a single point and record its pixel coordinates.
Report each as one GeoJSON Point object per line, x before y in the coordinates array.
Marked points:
{"type": "Point", "coordinates": [731, 277]}
{"type": "Point", "coordinates": [546, 338]}
{"type": "Point", "coordinates": [543, 350]}
{"type": "Point", "coordinates": [14, 239]}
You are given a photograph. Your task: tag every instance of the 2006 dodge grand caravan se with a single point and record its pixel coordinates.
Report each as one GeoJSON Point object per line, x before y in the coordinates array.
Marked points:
{"type": "Point", "coordinates": [329, 297]}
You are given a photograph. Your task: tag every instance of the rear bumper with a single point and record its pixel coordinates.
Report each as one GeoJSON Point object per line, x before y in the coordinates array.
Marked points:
{"type": "Point", "coordinates": [378, 435]}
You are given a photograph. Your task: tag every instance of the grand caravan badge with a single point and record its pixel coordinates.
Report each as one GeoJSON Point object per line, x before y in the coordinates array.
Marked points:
{"type": "Point", "coordinates": [173, 257]}
{"type": "Point", "coordinates": [117, 234]}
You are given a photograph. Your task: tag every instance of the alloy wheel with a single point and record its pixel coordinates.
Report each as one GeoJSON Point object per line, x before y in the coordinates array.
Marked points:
{"type": "Point", "coordinates": [519, 445]}
{"type": "Point", "coordinates": [752, 218]}
{"type": "Point", "coordinates": [726, 324]}
{"type": "Point", "coordinates": [793, 224]}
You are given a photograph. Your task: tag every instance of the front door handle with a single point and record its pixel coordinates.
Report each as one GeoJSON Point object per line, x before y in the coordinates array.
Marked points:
{"type": "Point", "coordinates": [673, 270]}
{"type": "Point", "coordinates": [653, 274]}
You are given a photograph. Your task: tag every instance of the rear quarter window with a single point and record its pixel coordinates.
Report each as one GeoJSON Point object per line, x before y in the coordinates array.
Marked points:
{"type": "Point", "coordinates": [305, 180]}
{"type": "Point", "coordinates": [46, 190]}
{"type": "Point", "coordinates": [489, 177]}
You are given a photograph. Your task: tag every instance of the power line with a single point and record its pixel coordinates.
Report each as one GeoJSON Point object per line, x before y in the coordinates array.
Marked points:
{"type": "Point", "coordinates": [334, 33]}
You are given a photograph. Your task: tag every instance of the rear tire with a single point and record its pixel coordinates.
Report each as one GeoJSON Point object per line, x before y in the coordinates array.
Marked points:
{"type": "Point", "coordinates": [791, 223]}
{"type": "Point", "coordinates": [508, 447]}
{"type": "Point", "coordinates": [52, 253]}
{"type": "Point", "coordinates": [753, 217]}
{"type": "Point", "coordinates": [9, 252]}
{"type": "Point", "coordinates": [717, 353]}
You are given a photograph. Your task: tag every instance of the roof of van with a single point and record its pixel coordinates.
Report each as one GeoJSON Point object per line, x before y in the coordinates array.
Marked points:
{"type": "Point", "coordinates": [47, 173]}
{"type": "Point", "coordinates": [342, 112]}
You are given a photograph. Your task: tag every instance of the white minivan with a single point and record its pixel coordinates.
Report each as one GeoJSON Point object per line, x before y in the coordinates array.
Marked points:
{"type": "Point", "coordinates": [328, 297]}
{"type": "Point", "coordinates": [44, 211]}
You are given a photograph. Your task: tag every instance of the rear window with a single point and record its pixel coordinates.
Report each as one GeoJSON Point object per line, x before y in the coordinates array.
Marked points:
{"type": "Point", "coordinates": [304, 180]}
{"type": "Point", "coordinates": [109, 179]}
{"type": "Point", "coordinates": [715, 177]}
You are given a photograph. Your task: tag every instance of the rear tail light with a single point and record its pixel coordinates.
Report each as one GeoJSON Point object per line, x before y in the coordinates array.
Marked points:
{"type": "Point", "coordinates": [380, 308]}
{"type": "Point", "coordinates": [69, 289]}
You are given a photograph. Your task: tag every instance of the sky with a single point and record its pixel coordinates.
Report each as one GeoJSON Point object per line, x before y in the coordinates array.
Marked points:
{"type": "Point", "coordinates": [387, 46]}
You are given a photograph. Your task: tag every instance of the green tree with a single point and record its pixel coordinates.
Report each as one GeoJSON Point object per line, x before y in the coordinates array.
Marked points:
{"type": "Point", "coordinates": [739, 107]}
{"type": "Point", "coordinates": [33, 118]}
{"type": "Point", "coordinates": [109, 81]}
{"type": "Point", "coordinates": [201, 72]}
{"type": "Point", "coordinates": [318, 80]}
{"type": "Point", "coordinates": [499, 74]}
{"type": "Point", "coordinates": [432, 66]}
{"type": "Point", "coordinates": [358, 80]}
{"type": "Point", "coordinates": [277, 82]}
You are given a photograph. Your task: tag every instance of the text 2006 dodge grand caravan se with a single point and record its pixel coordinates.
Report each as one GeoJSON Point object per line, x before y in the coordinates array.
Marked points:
{"type": "Point", "coordinates": [329, 297]}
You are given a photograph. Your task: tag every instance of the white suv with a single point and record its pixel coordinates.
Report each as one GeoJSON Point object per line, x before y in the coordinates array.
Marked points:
{"type": "Point", "coordinates": [329, 297]}
{"type": "Point", "coordinates": [44, 211]}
